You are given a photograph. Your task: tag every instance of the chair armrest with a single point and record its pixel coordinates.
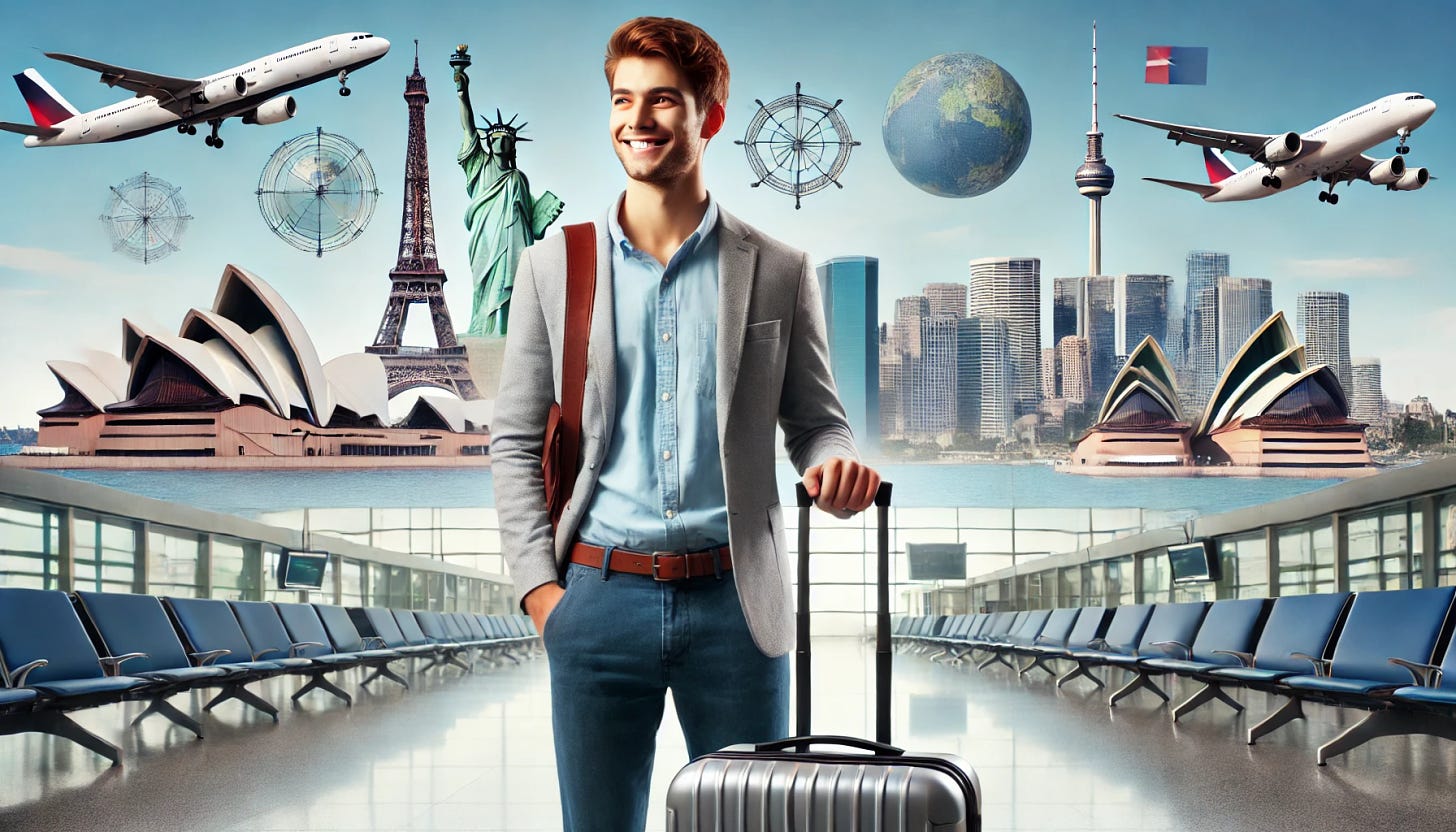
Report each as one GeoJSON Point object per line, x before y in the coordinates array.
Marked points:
{"type": "Point", "coordinates": [1168, 645]}
{"type": "Point", "coordinates": [207, 657]}
{"type": "Point", "coordinates": [1245, 659]}
{"type": "Point", "coordinates": [1041, 638]}
{"type": "Point", "coordinates": [374, 643]}
{"type": "Point", "coordinates": [293, 650]}
{"type": "Point", "coordinates": [112, 664]}
{"type": "Point", "coordinates": [258, 654]}
{"type": "Point", "coordinates": [1100, 644]}
{"type": "Point", "coordinates": [17, 676]}
{"type": "Point", "coordinates": [1321, 666]}
{"type": "Point", "coordinates": [1425, 675]}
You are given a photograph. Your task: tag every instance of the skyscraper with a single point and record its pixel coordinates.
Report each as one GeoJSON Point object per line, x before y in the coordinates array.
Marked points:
{"type": "Point", "coordinates": [1050, 383]}
{"type": "Point", "coordinates": [1142, 310]}
{"type": "Point", "coordinates": [1073, 357]}
{"type": "Point", "coordinates": [1367, 399]}
{"type": "Point", "coordinates": [851, 293]}
{"type": "Point", "coordinates": [932, 415]}
{"type": "Point", "coordinates": [1066, 301]}
{"type": "Point", "coordinates": [946, 299]}
{"type": "Point", "coordinates": [983, 378]}
{"type": "Point", "coordinates": [1009, 289]}
{"type": "Point", "coordinates": [1200, 321]}
{"type": "Point", "coordinates": [1097, 325]}
{"type": "Point", "coordinates": [1094, 178]}
{"type": "Point", "coordinates": [1243, 304]}
{"type": "Point", "coordinates": [1324, 328]}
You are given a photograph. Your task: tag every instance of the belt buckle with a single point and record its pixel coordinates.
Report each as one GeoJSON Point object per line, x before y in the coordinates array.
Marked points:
{"type": "Point", "coordinates": [656, 575]}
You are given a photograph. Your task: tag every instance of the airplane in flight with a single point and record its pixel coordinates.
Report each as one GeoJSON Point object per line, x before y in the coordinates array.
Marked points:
{"type": "Point", "coordinates": [256, 92]}
{"type": "Point", "coordinates": [1332, 153]}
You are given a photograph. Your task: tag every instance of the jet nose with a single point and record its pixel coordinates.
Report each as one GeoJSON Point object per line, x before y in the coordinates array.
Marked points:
{"type": "Point", "coordinates": [383, 44]}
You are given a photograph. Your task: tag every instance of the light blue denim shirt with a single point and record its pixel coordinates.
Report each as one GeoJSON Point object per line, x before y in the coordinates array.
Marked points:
{"type": "Point", "coordinates": [661, 486]}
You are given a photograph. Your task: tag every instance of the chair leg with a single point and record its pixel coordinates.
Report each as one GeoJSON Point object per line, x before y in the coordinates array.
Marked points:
{"type": "Point", "coordinates": [316, 681]}
{"type": "Point", "coordinates": [1142, 681]}
{"type": "Point", "coordinates": [1208, 693]}
{"type": "Point", "coordinates": [994, 658]}
{"type": "Point", "coordinates": [382, 670]}
{"type": "Point", "coordinates": [58, 724]}
{"type": "Point", "coordinates": [1082, 671]}
{"type": "Point", "coordinates": [1389, 723]}
{"type": "Point", "coordinates": [159, 705]}
{"type": "Point", "coordinates": [454, 659]}
{"type": "Point", "coordinates": [242, 694]}
{"type": "Point", "coordinates": [1037, 663]}
{"type": "Point", "coordinates": [1287, 713]}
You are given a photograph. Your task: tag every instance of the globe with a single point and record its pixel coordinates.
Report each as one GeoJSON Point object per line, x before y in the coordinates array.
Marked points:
{"type": "Point", "coordinates": [957, 125]}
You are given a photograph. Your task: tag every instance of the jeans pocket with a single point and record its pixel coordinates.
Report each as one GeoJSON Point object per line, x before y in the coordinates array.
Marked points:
{"type": "Point", "coordinates": [553, 618]}
{"type": "Point", "coordinates": [705, 362]}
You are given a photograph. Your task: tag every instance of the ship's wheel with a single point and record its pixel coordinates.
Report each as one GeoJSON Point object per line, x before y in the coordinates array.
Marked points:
{"type": "Point", "coordinates": [798, 144]}
{"type": "Point", "coordinates": [145, 217]}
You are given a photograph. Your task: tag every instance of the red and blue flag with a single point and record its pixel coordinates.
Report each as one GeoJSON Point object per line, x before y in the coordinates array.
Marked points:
{"type": "Point", "coordinates": [1177, 65]}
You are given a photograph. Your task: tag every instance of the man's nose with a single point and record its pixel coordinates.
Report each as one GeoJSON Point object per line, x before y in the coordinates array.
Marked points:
{"type": "Point", "coordinates": [642, 116]}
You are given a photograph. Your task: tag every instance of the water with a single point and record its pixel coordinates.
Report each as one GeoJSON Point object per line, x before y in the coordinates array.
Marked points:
{"type": "Point", "coordinates": [252, 493]}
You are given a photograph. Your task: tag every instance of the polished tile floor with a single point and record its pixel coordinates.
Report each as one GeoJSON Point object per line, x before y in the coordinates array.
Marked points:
{"type": "Point", "coordinates": [475, 753]}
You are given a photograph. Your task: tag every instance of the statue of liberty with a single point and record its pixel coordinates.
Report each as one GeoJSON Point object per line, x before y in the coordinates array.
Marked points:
{"type": "Point", "coordinates": [502, 217]}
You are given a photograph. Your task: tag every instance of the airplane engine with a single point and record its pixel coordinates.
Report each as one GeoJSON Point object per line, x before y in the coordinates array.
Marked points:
{"type": "Point", "coordinates": [273, 111]}
{"type": "Point", "coordinates": [1413, 180]}
{"type": "Point", "coordinates": [1282, 148]}
{"type": "Point", "coordinates": [223, 90]}
{"type": "Point", "coordinates": [1388, 171]}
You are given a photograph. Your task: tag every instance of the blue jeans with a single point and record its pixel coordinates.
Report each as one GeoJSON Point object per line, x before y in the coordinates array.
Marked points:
{"type": "Point", "coordinates": [616, 646]}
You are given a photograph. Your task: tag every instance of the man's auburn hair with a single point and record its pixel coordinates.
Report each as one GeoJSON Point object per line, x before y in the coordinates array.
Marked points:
{"type": "Point", "coordinates": [685, 46]}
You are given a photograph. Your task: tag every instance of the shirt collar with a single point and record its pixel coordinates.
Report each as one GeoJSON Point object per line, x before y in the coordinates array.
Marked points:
{"type": "Point", "coordinates": [706, 229]}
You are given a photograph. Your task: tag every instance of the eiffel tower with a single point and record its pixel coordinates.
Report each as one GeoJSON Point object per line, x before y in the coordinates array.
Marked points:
{"type": "Point", "coordinates": [417, 276]}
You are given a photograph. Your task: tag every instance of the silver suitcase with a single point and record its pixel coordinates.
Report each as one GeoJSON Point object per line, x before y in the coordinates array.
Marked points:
{"type": "Point", "coordinates": [828, 783]}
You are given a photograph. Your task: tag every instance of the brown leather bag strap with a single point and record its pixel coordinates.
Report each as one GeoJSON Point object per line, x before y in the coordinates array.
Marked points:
{"type": "Point", "coordinates": [581, 284]}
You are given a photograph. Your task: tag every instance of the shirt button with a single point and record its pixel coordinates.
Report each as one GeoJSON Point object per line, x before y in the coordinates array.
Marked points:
{"type": "Point", "coordinates": [667, 397]}
{"type": "Point", "coordinates": [666, 336]}
{"type": "Point", "coordinates": [670, 514]}
{"type": "Point", "coordinates": [667, 455]}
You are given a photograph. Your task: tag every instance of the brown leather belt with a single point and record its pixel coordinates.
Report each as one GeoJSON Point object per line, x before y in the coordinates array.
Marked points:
{"type": "Point", "coordinates": [660, 566]}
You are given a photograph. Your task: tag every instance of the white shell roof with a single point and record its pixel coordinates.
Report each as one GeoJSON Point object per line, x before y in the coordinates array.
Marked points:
{"type": "Point", "coordinates": [84, 380]}
{"type": "Point", "coordinates": [203, 325]}
{"type": "Point", "coordinates": [191, 353]}
{"type": "Point", "coordinates": [360, 383]}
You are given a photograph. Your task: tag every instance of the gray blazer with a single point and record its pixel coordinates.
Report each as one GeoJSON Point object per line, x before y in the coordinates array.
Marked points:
{"type": "Point", "coordinates": [773, 369]}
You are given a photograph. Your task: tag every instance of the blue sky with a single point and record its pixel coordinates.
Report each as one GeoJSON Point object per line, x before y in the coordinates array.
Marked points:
{"type": "Point", "coordinates": [63, 291]}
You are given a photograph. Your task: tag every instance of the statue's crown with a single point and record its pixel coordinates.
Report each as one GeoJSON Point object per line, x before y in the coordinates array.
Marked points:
{"type": "Point", "coordinates": [504, 127]}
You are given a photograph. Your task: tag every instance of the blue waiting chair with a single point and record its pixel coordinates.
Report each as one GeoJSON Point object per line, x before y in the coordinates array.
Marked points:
{"type": "Point", "coordinates": [1297, 625]}
{"type": "Point", "coordinates": [1089, 628]}
{"type": "Point", "coordinates": [1023, 636]}
{"type": "Point", "coordinates": [1170, 625]}
{"type": "Point", "coordinates": [271, 641]}
{"type": "Point", "coordinates": [1230, 627]}
{"type": "Point", "coordinates": [346, 639]}
{"type": "Point", "coordinates": [44, 648]}
{"type": "Point", "coordinates": [430, 626]}
{"type": "Point", "coordinates": [1123, 634]}
{"type": "Point", "coordinates": [381, 623]}
{"type": "Point", "coordinates": [1382, 627]}
{"type": "Point", "coordinates": [216, 638]}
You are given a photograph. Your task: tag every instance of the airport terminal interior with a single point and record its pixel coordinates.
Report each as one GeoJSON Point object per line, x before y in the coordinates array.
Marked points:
{"type": "Point", "coordinates": [410, 694]}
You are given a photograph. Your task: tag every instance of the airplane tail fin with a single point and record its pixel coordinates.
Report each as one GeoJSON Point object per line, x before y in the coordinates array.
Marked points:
{"type": "Point", "coordinates": [1202, 190]}
{"type": "Point", "coordinates": [47, 107]}
{"type": "Point", "coordinates": [1219, 167]}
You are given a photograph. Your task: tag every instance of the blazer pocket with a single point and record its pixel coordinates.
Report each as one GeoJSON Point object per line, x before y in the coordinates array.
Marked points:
{"type": "Point", "coordinates": [761, 331]}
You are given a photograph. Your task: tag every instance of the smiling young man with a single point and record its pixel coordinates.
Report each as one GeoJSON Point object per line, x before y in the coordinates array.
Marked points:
{"type": "Point", "coordinates": [669, 569]}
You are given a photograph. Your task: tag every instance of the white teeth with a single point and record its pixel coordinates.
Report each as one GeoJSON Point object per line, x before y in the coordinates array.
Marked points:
{"type": "Point", "coordinates": [641, 145]}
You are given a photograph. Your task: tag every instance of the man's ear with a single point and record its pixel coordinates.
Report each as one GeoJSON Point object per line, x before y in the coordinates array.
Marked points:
{"type": "Point", "coordinates": [713, 121]}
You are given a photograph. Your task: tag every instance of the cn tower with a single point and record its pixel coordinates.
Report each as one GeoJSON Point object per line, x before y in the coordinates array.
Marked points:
{"type": "Point", "coordinates": [1094, 177]}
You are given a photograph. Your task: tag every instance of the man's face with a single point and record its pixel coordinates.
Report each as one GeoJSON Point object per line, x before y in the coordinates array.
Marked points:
{"type": "Point", "coordinates": [657, 129]}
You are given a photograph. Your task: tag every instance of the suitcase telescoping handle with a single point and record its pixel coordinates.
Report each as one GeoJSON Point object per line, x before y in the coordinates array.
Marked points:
{"type": "Point", "coordinates": [882, 618]}
{"type": "Point", "coordinates": [803, 743]}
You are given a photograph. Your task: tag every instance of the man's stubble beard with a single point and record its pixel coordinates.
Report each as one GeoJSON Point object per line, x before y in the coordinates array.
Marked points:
{"type": "Point", "coordinates": [679, 160]}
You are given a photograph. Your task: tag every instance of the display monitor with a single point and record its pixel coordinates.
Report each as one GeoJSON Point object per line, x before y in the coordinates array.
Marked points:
{"type": "Point", "coordinates": [302, 570]}
{"type": "Point", "coordinates": [936, 561]}
{"type": "Point", "coordinates": [1194, 562]}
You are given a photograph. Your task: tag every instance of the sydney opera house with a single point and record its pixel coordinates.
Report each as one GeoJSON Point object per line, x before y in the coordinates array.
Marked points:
{"type": "Point", "coordinates": [1270, 414]}
{"type": "Point", "coordinates": [241, 385]}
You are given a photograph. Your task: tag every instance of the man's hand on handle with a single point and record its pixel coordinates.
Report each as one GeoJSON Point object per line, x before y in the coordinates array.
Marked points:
{"type": "Point", "coordinates": [842, 487]}
{"type": "Point", "coordinates": [540, 602]}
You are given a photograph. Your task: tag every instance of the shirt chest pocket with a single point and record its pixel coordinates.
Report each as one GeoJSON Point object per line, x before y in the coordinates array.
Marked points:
{"type": "Point", "coordinates": [706, 359]}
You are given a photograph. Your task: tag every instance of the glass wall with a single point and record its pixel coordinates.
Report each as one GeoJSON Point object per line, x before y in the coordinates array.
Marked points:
{"type": "Point", "coordinates": [1306, 558]}
{"type": "Point", "coordinates": [174, 562]}
{"type": "Point", "coordinates": [1446, 540]}
{"type": "Point", "coordinates": [105, 553]}
{"type": "Point", "coordinates": [1243, 562]}
{"type": "Point", "coordinates": [30, 543]}
{"type": "Point", "coordinates": [1384, 548]}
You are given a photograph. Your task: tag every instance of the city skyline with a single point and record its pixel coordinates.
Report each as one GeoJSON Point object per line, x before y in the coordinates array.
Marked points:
{"type": "Point", "coordinates": [1387, 252]}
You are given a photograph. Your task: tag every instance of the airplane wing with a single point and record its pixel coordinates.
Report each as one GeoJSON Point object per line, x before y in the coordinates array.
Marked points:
{"type": "Point", "coordinates": [30, 129]}
{"type": "Point", "coordinates": [1201, 190]}
{"type": "Point", "coordinates": [165, 88]}
{"type": "Point", "coordinates": [1249, 144]}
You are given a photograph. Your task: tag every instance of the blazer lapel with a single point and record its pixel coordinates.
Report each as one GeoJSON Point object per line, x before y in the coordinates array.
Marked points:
{"type": "Point", "coordinates": [737, 258]}
{"type": "Point", "coordinates": [602, 346]}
